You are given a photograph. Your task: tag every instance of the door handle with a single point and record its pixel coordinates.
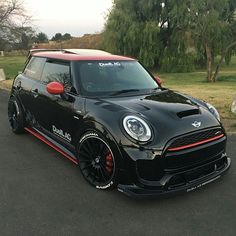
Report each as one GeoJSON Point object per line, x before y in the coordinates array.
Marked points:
{"type": "Point", "coordinates": [35, 92]}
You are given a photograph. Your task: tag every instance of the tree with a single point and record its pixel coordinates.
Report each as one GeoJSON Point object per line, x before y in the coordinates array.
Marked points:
{"type": "Point", "coordinates": [173, 35]}
{"type": "Point", "coordinates": [213, 27]}
{"type": "Point", "coordinates": [146, 29]}
{"type": "Point", "coordinates": [22, 38]}
{"type": "Point", "coordinates": [60, 37]}
{"type": "Point", "coordinates": [12, 16]}
{"type": "Point", "coordinates": [57, 37]}
{"type": "Point", "coordinates": [66, 36]}
{"type": "Point", "coordinates": [228, 42]}
{"type": "Point", "coordinates": [8, 10]}
{"type": "Point", "coordinates": [132, 29]}
{"type": "Point", "coordinates": [41, 38]}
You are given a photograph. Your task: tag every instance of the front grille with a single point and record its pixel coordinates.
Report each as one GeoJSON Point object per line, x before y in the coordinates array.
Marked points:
{"type": "Point", "coordinates": [196, 173]}
{"type": "Point", "coordinates": [189, 157]}
{"type": "Point", "coordinates": [174, 162]}
{"type": "Point", "coordinates": [195, 138]}
{"type": "Point", "coordinates": [154, 170]}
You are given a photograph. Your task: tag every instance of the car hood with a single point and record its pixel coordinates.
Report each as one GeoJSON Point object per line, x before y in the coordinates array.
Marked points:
{"type": "Point", "coordinates": [168, 113]}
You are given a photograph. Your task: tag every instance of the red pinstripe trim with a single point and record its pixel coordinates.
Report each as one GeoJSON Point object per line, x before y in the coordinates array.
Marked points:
{"type": "Point", "coordinates": [37, 135]}
{"type": "Point", "coordinates": [196, 144]}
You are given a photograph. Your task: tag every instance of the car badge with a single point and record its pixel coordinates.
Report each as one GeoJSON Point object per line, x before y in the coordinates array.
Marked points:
{"type": "Point", "coordinates": [197, 124]}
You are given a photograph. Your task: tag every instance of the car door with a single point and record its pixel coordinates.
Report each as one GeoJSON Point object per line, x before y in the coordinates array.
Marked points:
{"type": "Point", "coordinates": [29, 79]}
{"type": "Point", "coordinates": [55, 113]}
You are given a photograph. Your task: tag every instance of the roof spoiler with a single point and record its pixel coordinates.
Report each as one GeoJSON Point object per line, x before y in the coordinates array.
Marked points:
{"type": "Point", "coordinates": [72, 51]}
{"type": "Point", "coordinates": [32, 51]}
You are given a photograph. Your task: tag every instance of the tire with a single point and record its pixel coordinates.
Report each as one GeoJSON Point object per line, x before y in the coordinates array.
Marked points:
{"type": "Point", "coordinates": [15, 116]}
{"type": "Point", "coordinates": [97, 162]}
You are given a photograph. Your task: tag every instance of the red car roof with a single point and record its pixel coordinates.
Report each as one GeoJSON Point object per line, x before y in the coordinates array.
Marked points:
{"type": "Point", "coordinates": [75, 57]}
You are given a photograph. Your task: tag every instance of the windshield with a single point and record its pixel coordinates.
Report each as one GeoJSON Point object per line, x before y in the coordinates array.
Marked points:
{"type": "Point", "coordinates": [113, 78]}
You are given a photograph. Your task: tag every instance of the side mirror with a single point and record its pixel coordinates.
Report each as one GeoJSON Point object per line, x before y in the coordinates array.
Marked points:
{"type": "Point", "coordinates": [55, 88]}
{"type": "Point", "coordinates": [158, 79]}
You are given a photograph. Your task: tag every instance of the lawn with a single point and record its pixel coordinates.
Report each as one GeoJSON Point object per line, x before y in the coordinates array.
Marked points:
{"type": "Point", "coordinates": [219, 94]}
{"type": "Point", "coordinates": [12, 65]}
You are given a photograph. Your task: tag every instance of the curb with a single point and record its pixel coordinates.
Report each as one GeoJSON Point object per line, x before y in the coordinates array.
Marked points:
{"type": "Point", "coordinates": [2, 75]}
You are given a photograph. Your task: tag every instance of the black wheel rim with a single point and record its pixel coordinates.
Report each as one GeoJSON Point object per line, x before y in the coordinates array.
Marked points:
{"type": "Point", "coordinates": [96, 161]}
{"type": "Point", "coordinates": [13, 115]}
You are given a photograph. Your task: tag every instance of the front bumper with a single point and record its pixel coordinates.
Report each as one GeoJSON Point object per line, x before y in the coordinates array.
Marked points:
{"type": "Point", "coordinates": [165, 188]}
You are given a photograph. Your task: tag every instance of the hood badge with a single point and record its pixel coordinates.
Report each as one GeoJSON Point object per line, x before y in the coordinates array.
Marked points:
{"type": "Point", "coordinates": [196, 124]}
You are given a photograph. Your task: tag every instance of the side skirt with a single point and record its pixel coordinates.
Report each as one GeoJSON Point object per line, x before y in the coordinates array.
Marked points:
{"type": "Point", "coordinates": [51, 143]}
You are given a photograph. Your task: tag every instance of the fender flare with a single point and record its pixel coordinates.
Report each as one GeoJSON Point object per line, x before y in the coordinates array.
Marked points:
{"type": "Point", "coordinates": [92, 125]}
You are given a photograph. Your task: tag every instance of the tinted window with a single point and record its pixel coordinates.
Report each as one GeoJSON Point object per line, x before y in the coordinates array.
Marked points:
{"type": "Point", "coordinates": [112, 77]}
{"type": "Point", "coordinates": [34, 68]}
{"type": "Point", "coordinates": [57, 72]}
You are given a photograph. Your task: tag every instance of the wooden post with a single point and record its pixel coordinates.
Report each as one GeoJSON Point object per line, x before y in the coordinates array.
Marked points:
{"type": "Point", "coordinates": [233, 107]}
{"type": "Point", "coordinates": [2, 75]}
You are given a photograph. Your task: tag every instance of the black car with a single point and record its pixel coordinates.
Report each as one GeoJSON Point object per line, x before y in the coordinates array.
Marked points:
{"type": "Point", "coordinates": [110, 116]}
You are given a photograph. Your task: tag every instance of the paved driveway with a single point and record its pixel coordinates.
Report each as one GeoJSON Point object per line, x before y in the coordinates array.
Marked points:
{"type": "Point", "coordinates": [41, 193]}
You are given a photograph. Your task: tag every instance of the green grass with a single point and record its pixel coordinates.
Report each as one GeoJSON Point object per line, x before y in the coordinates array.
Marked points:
{"type": "Point", "coordinates": [12, 65]}
{"type": "Point", "coordinates": [231, 66]}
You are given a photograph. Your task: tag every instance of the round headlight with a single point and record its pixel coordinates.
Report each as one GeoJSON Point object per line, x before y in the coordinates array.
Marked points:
{"type": "Point", "coordinates": [213, 110]}
{"type": "Point", "coordinates": [137, 128]}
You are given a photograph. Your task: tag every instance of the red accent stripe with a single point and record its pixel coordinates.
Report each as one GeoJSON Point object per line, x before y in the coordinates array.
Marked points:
{"type": "Point", "coordinates": [37, 135]}
{"type": "Point", "coordinates": [196, 144]}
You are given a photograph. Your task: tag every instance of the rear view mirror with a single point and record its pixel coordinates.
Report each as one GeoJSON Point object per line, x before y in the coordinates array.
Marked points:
{"type": "Point", "coordinates": [55, 88]}
{"type": "Point", "coordinates": [158, 79]}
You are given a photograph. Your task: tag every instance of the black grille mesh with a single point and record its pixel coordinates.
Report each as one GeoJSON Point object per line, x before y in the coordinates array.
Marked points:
{"type": "Point", "coordinates": [196, 137]}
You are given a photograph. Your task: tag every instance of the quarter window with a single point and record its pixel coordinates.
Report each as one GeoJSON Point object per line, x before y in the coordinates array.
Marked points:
{"type": "Point", "coordinates": [34, 68]}
{"type": "Point", "coordinates": [58, 72]}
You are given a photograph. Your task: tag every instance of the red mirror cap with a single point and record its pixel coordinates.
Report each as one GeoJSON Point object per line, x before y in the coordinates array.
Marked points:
{"type": "Point", "coordinates": [158, 79]}
{"type": "Point", "coordinates": [55, 88]}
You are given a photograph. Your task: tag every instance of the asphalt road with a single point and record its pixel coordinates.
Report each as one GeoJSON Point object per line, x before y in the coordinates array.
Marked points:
{"type": "Point", "coordinates": [41, 193]}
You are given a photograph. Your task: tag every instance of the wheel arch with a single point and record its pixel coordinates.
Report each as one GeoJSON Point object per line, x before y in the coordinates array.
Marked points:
{"type": "Point", "coordinates": [15, 94]}
{"type": "Point", "coordinates": [90, 125]}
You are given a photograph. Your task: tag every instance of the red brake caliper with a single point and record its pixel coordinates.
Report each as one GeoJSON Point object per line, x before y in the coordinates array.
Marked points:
{"type": "Point", "coordinates": [109, 162]}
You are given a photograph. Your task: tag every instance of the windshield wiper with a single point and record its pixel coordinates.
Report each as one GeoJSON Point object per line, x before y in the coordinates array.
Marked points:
{"type": "Point", "coordinates": [125, 91]}
{"type": "Point", "coordinates": [157, 89]}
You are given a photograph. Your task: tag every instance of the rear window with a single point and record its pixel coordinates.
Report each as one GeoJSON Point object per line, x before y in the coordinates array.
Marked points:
{"type": "Point", "coordinates": [34, 68]}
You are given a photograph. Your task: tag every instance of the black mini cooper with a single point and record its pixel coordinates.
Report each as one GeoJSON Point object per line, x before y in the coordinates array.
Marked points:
{"type": "Point", "coordinates": [110, 116]}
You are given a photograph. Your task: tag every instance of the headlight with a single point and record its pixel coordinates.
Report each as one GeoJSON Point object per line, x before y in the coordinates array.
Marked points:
{"type": "Point", "coordinates": [137, 128]}
{"type": "Point", "coordinates": [213, 110]}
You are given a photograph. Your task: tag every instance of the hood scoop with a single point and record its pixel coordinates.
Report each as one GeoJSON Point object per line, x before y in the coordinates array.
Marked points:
{"type": "Point", "coordinates": [186, 113]}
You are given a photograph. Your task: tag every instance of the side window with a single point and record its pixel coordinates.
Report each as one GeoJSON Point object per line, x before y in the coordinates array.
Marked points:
{"type": "Point", "coordinates": [58, 72]}
{"type": "Point", "coordinates": [34, 68]}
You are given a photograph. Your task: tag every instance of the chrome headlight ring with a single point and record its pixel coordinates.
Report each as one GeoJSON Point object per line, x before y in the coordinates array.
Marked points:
{"type": "Point", "coordinates": [137, 128]}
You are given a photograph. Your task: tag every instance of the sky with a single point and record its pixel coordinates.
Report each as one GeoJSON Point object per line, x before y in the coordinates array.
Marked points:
{"type": "Point", "coordinates": [77, 17]}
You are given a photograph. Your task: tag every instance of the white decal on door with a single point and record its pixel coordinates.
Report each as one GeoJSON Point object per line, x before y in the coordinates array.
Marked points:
{"type": "Point", "coordinates": [61, 133]}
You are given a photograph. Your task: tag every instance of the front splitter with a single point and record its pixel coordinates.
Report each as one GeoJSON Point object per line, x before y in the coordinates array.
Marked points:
{"type": "Point", "coordinates": [136, 191]}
